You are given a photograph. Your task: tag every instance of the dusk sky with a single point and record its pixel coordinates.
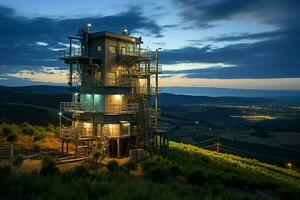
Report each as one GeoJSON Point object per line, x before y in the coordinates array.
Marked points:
{"type": "Point", "coordinates": [205, 43]}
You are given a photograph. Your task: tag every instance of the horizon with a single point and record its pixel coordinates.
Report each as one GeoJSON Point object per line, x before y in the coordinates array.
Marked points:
{"type": "Point", "coordinates": [219, 44]}
{"type": "Point", "coordinates": [202, 91]}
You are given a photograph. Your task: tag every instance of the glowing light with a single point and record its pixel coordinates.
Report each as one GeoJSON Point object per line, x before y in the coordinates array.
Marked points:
{"type": "Point", "coordinates": [87, 125]}
{"type": "Point", "coordinates": [89, 25]}
{"type": "Point", "coordinates": [110, 128]}
{"type": "Point", "coordinates": [60, 114]}
{"type": "Point", "coordinates": [118, 97]}
{"type": "Point", "coordinates": [289, 165]}
{"type": "Point", "coordinates": [76, 93]}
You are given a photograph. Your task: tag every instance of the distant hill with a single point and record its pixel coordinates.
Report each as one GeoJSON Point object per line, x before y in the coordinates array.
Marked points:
{"type": "Point", "coordinates": [46, 88]}
{"type": "Point", "coordinates": [220, 92]}
{"type": "Point", "coordinates": [46, 95]}
{"type": "Point", "coordinates": [176, 99]}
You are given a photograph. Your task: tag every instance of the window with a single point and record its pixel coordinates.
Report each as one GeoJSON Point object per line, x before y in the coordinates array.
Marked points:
{"type": "Point", "coordinates": [99, 48]}
{"type": "Point", "coordinates": [123, 50]}
{"type": "Point", "coordinates": [112, 49]}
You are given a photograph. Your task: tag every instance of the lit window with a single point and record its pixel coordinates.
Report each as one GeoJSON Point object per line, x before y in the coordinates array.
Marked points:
{"type": "Point", "coordinates": [98, 48]}
{"type": "Point", "coordinates": [112, 49]}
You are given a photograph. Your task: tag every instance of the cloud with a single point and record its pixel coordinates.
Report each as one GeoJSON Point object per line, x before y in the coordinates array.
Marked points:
{"type": "Point", "coordinates": [19, 33]}
{"type": "Point", "coordinates": [203, 13]}
{"type": "Point", "coordinates": [277, 57]}
{"type": "Point", "coordinates": [42, 43]}
{"type": "Point", "coordinates": [270, 54]}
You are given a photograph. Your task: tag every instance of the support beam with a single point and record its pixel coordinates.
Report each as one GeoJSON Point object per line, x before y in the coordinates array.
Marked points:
{"type": "Point", "coordinates": [76, 149]}
{"type": "Point", "coordinates": [67, 148]}
{"type": "Point", "coordinates": [62, 147]}
{"type": "Point", "coordinates": [118, 148]}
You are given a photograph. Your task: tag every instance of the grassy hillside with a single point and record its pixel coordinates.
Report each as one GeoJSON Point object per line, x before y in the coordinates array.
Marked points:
{"type": "Point", "coordinates": [188, 173]}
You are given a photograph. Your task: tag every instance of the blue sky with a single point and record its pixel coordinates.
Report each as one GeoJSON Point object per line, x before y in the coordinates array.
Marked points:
{"type": "Point", "coordinates": [208, 43]}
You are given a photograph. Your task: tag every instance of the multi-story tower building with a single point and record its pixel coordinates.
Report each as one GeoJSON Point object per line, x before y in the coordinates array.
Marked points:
{"type": "Point", "coordinates": [111, 106]}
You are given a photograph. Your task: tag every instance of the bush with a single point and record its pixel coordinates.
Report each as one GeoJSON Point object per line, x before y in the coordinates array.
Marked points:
{"type": "Point", "coordinates": [39, 136]}
{"type": "Point", "coordinates": [158, 173]}
{"type": "Point", "coordinates": [147, 164]}
{"type": "Point", "coordinates": [175, 170]}
{"type": "Point", "coordinates": [37, 146]}
{"type": "Point", "coordinates": [197, 177]}
{"type": "Point", "coordinates": [48, 166]}
{"type": "Point", "coordinates": [17, 160]}
{"type": "Point", "coordinates": [8, 129]}
{"type": "Point", "coordinates": [5, 170]}
{"type": "Point", "coordinates": [80, 171]}
{"type": "Point", "coordinates": [12, 137]}
{"type": "Point", "coordinates": [129, 165]}
{"type": "Point", "coordinates": [51, 128]}
{"type": "Point", "coordinates": [112, 166]}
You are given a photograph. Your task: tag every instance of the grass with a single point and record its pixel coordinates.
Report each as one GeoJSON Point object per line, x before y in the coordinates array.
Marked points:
{"type": "Point", "coordinates": [234, 171]}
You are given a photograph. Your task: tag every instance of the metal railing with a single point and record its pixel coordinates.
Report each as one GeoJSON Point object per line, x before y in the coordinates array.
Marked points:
{"type": "Point", "coordinates": [81, 107]}
{"type": "Point", "coordinates": [140, 90]}
{"type": "Point", "coordinates": [76, 107]}
{"type": "Point", "coordinates": [153, 90]}
{"type": "Point", "coordinates": [118, 108]}
{"type": "Point", "coordinates": [72, 132]}
{"type": "Point", "coordinates": [136, 52]}
{"type": "Point", "coordinates": [76, 81]}
{"type": "Point", "coordinates": [74, 53]}
{"type": "Point", "coordinates": [146, 70]}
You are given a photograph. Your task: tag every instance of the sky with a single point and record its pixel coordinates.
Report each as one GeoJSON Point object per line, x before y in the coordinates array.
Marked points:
{"type": "Point", "coordinates": [249, 44]}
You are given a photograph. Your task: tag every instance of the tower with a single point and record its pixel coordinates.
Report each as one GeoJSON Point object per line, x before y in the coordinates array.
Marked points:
{"type": "Point", "coordinates": [110, 75]}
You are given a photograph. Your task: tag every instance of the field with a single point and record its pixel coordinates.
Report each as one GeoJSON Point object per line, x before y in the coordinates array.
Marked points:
{"type": "Point", "coordinates": [268, 133]}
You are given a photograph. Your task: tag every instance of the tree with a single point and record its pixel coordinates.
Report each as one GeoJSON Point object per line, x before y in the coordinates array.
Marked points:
{"type": "Point", "coordinates": [12, 138]}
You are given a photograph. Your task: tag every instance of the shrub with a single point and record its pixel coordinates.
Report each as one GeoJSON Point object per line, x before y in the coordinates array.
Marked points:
{"type": "Point", "coordinates": [51, 128]}
{"type": "Point", "coordinates": [158, 173]}
{"type": "Point", "coordinates": [48, 166]}
{"type": "Point", "coordinates": [5, 170]}
{"type": "Point", "coordinates": [37, 146]}
{"type": "Point", "coordinates": [8, 129]}
{"type": "Point", "coordinates": [129, 165]}
{"type": "Point", "coordinates": [39, 136]}
{"type": "Point", "coordinates": [96, 156]}
{"type": "Point", "coordinates": [175, 170]}
{"type": "Point", "coordinates": [80, 171]}
{"type": "Point", "coordinates": [12, 137]}
{"type": "Point", "coordinates": [112, 166]}
{"type": "Point", "coordinates": [17, 160]}
{"type": "Point", "coordinates": [147, 164]}
{"type": "Point", "coordinates": [197, 177]}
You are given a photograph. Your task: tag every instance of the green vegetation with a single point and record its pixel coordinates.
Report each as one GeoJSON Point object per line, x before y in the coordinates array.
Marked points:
{"type": "Point", "coordinates": [188, 173]}
{"type": "Point", "coordinates": [201, 166]}
{"type": "Point", "coordinates": [113, 166]}
{"type": "Point", "coordinates": [38, 132]}
{"type": "Point", "coordinates": [48, 166]}
{"type": "Point", "coordinates": [17, 161]}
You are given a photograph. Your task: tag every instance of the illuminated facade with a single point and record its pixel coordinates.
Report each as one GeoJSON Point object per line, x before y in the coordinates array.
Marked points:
{"type": "Point", "coordinates": [110, 77]}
